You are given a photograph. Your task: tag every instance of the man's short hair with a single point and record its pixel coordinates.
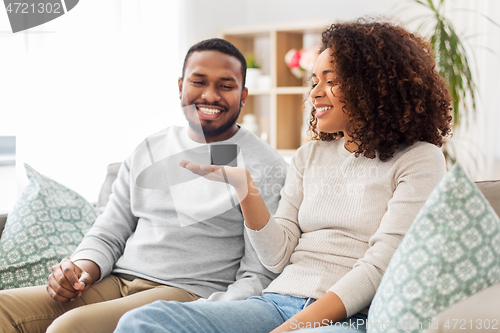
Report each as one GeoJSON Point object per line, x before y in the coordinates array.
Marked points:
{"type": "Point", "coordinates": [220, 45]}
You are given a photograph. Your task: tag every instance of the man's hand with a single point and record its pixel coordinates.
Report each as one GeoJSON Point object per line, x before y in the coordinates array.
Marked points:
{"type": "Point", "coordinates": [68, 280]}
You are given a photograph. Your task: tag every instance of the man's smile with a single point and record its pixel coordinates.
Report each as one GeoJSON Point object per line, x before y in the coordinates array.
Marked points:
{"type": "Point", "coordinates": [206, 110]}
{"type": "Point", "coordinates": [209, 112]}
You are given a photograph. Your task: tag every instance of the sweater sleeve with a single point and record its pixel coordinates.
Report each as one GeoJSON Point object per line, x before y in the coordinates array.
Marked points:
{"type": "Point", "coordinates": [417, 173]}
{"type": "Point", "coordinates": [105, 242]}
{"type": "Point", "coordinates": [252, 277]}
{"type": "Point", "coordinates": [276, 241]}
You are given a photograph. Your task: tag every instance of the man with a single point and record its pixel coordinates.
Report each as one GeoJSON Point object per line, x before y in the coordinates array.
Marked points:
{"type": "Point", "coordinates": [165, 234]}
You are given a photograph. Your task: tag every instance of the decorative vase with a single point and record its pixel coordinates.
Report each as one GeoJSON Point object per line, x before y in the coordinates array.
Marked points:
{"type": "Point", "coordinates": [252, 80]}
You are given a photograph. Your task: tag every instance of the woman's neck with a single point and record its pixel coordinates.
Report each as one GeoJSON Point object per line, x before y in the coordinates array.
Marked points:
{"type": "Point", "coordinates": [349, 144]}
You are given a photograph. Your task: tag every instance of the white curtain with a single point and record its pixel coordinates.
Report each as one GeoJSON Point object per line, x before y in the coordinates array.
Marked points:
{"type": "Point", "coordinates": [478, 145]}
{"type": "Point", "coordinates": [83, 90]}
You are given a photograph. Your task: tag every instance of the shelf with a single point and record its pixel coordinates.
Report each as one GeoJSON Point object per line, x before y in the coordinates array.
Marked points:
{"type": "Point", "coordinates": [280, 91]}
{"type": "Point", "coordinates": [279, 109]}
{"type": "Point", "coordinates": [292, 90]}
{"type": "Point", "coordinates": [255, 92]}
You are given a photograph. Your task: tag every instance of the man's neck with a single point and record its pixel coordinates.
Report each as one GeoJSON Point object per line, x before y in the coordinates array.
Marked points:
{"type": "Point", "coordinates": [201, 138]}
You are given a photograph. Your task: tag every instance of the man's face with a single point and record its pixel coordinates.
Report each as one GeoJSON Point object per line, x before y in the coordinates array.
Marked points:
{"type": "Point", "coordinates": [213, 83]}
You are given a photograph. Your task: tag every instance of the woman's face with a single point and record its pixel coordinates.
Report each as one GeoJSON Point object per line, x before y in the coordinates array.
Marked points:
{"type": "Point", "coordinates": [326, 95]}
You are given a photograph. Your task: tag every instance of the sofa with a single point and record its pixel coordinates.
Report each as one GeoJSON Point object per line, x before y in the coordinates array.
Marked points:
{"type": "Point", "coordinates": [481, 307]}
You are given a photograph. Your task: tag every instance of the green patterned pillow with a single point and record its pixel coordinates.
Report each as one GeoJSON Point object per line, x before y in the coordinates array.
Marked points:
{"type": "Point", "coordinates": [451, 251]}
{"type": "Point", "coordinates": [45, 226]}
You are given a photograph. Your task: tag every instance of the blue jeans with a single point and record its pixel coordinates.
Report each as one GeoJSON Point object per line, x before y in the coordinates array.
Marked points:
{"type": "Point", "coordinates": [354, 324]}
{"type": "Point", "coordinates": [259, 314]}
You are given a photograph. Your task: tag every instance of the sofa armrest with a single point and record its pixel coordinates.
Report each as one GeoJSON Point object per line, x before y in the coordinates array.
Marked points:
{"type": "Point", "coordinates": [480, 309]}
{"type": "Point", "coordinates": [491, 191]}
{"type": "Point", "coordinates": [3, 219]}
{"type": "Point", "coordinates": [108, 183]}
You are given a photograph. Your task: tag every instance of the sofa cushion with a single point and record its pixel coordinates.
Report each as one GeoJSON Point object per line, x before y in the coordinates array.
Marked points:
{"type": "Point", "coordinates": [451, 251]}
{"type": "Point", "coordinates": [45, 226]}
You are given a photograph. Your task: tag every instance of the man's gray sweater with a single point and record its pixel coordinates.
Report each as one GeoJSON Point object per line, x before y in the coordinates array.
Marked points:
{"type": "Point", "coordinates": [167, 225]}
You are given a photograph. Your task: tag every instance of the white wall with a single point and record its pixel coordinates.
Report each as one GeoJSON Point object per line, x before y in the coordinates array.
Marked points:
{"type": "Point", "coordinates": [204, 18]}
{"type": "Point", "coordinates": [84, 90]}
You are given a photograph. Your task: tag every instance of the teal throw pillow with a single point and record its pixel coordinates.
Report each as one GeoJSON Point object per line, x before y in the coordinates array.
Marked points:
{"type": "Point", "coordinates": [451, 251]}
{"type": "Point", "coordinates": [45, 226]}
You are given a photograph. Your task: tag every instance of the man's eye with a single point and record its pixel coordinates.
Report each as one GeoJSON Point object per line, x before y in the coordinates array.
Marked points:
{"type": "Point", "coordinates": [226, 87]}
{"type": "Point", "coordinates": [314, 85]}
{"type": "Point", "coordinates": [198, 82]}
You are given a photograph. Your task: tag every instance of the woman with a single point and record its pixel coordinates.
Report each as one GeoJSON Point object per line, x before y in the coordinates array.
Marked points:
{"type": "Point", "coordinates": [380, 112]}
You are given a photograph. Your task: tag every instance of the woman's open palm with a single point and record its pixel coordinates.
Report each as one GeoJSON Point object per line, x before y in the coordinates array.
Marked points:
{"type": "Point", "coordinates": [238, 177]}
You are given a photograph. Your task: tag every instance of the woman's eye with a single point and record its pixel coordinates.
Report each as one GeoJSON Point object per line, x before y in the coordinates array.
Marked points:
{"type": "Point", "coordinates": [314, 85]}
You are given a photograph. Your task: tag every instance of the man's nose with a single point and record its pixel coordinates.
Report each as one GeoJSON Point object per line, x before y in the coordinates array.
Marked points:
{"type": "Point", "coordinates": [211, 94]}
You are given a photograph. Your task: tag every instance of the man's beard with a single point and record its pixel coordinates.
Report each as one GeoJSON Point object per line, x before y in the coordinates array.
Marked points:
{"type": "Point", "coordinates": [209, 130]}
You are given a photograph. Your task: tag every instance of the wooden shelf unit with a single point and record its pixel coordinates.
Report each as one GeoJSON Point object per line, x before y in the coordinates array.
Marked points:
{"type": "Point", "coordinates": [279, 109]}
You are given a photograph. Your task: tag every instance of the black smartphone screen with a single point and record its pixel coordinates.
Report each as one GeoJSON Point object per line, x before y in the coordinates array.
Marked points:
{"type": "Point", "coordinates": [223, 154]}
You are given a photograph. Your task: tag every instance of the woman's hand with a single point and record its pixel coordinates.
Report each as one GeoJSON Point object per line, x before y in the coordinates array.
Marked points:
{"type": "Point", "coordinates": [238, 177]}
{"type": "Point", "coordinates": [252, 205]}
{"type": "Point", "coordinates": [326, 310]}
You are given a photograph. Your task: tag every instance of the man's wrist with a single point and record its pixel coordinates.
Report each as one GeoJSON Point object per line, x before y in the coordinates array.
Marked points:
{"type": "Point", "coordinates": [90, 267]}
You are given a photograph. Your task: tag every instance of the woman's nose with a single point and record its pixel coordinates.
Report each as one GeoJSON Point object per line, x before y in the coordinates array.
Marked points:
{"type": "Point", "coordinates": [316, 92]}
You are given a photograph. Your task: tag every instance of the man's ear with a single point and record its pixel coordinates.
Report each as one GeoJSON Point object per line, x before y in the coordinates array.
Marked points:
{"type": "Point", "coordinates": [244, 95]}
{"type": "Point", "coordinates": [179, 82]}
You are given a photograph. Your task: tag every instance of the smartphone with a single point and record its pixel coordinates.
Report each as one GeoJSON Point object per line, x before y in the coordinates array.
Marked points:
{"type": "Point", "coordinates": [224, 154]}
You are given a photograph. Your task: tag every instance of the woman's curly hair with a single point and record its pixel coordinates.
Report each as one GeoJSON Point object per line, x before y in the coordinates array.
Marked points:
{"type": "Point", "coordinates": [391, 89]}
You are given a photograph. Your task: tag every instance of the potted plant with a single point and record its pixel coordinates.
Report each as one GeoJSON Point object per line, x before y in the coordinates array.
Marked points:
{"type": "Point", "coordinates": [452, 63]}
{"type": "Point", "coordinates": [253, 72]}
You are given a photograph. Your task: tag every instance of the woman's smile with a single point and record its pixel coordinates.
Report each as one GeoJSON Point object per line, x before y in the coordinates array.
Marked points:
{"type": "Point", "coordinates": [321, 110]}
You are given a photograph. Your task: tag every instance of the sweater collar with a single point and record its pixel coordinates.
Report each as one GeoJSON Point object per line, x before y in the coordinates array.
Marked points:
{"type": "Point", "coordinates": [234, 139]}
{"type": "Point", "coordinates": [341, 149]}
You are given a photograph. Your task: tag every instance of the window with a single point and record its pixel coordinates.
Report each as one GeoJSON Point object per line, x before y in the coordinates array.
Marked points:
{"type": "Point", "coordinates": [82, 91]}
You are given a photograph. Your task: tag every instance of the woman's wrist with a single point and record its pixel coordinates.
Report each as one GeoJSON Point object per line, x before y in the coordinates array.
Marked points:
{"type": "Point", "coordinates": [252, 204]}
{"type": "Point", "coordinates": [325, 311]}
{"type": "Point", "coordinates": [245, 186]}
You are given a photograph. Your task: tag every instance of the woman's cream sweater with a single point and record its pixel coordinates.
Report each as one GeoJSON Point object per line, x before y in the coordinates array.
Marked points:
{"type": "Point", "coordinates": [341, 218]}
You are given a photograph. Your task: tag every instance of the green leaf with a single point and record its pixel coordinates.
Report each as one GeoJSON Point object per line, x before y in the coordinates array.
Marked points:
{"type": "Point", "coordinates": [451, 59]}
